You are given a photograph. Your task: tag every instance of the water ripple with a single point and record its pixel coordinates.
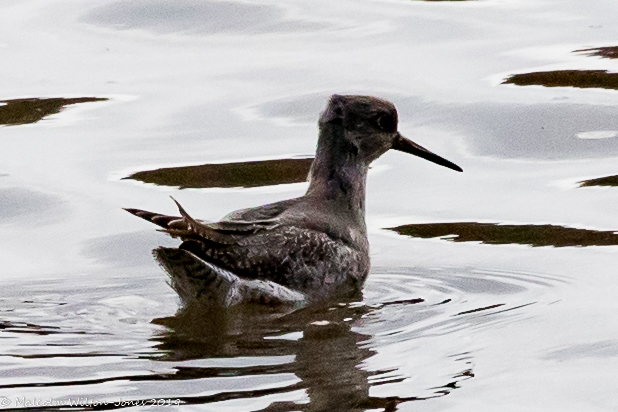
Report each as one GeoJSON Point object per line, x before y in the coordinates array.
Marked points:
{"type": "Point", "coordinates": [407, 339]}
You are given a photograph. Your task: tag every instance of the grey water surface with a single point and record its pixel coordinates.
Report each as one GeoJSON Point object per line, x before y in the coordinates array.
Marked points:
{"type": "Point", "coordinates": [490, 290]}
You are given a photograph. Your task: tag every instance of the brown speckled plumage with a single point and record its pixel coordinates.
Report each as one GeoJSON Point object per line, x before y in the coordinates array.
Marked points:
{"type": "Point", "coordinates": [301, 250]}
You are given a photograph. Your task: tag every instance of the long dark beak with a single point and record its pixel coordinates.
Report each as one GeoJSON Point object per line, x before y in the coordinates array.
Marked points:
{"type": "Point", "coordinates": [408, 146]}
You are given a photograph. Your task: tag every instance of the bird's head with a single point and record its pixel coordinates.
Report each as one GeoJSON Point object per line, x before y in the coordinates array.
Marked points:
{"type": "Point", "coordinates": [365, 127]}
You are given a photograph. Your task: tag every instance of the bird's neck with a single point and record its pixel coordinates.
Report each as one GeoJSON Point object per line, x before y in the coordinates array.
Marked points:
{"type": "Point", "coordinates": [336, 177]}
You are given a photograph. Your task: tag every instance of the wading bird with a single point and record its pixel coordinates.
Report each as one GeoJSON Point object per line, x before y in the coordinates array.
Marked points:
{"type": "Point", "coordinates": [298, 251]}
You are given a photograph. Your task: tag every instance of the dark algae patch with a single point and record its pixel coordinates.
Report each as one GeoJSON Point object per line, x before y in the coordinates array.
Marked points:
{"type": "Point", "coordinates": [600, 181]}
{"type": "Point", "coordinates": [582, 79]}
{"type": "Point", "coordinates": [23, 111]}
{"type": "Point", "coordinates": [240, 174]}
{"type": "Point", "coordinates": [495, 234]}
{"type": "Point", "coordinates": [605, 52]}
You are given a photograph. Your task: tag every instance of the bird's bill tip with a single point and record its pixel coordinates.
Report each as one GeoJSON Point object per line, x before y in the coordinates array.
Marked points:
{"type": "Point", "coordinates": [408, 146]}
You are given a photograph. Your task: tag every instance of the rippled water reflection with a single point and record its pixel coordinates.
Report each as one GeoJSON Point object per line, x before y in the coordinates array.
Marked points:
{"type": "Point", "coordinates": [600, 79]}
{"type": "Point", "coordinates": [601, 181]}
{"type": "Point", "coordinates": [240, 174]}
{"type": "Point", "coordinates": [23, 111]}
{"type": "Point", "coordinates": [499, 234]}
{"type": "Point", "coordinates": [606, 52]}
{"type": "Point", "coordinates": [372, 353]}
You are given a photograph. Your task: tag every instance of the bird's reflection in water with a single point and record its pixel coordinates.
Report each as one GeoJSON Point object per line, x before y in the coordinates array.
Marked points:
{"type": "Point", "coordinates": [327, 352]}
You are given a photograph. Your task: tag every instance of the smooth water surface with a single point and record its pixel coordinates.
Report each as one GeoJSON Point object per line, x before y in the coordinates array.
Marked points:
{"type": "Point", "coordinates": [491, 290]}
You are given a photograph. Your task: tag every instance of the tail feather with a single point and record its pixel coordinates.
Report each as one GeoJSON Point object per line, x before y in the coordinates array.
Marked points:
{"type": "Point", "coordinates": [186, 227]}
{"type": "Point", "coordinates": [166, 222]}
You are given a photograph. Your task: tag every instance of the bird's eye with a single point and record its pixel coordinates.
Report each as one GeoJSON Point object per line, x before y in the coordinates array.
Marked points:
{"type": "Point", "coordinates": [386, 122]}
